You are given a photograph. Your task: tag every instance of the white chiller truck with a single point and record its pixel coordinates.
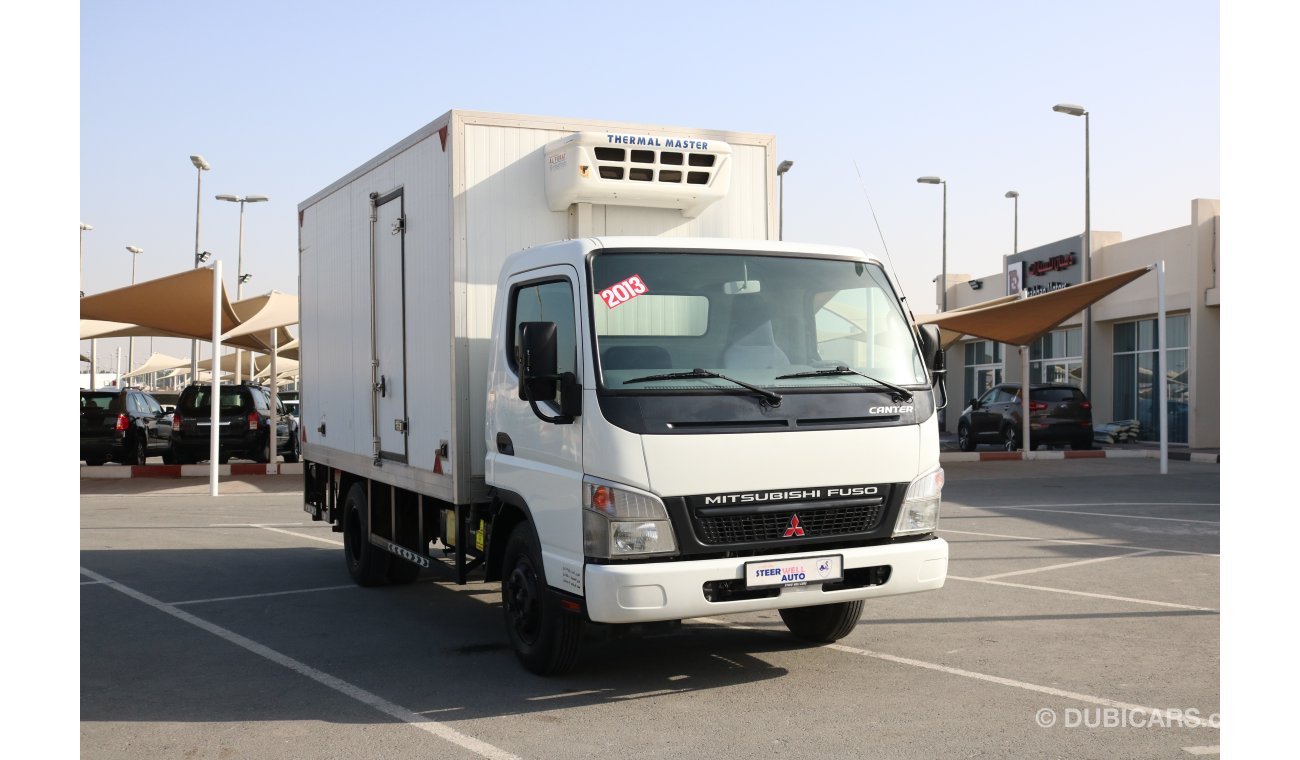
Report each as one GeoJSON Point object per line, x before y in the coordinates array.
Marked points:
{"type": "Point", "coordinates": [568, 355]}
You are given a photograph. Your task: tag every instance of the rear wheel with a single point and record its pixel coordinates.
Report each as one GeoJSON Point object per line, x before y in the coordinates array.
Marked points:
{"type": "Point", "coordinates": [825, 622]}
{"type": "Point", "coordinates": [93, 460]}
{"type": "Point", "coordinates": [965, 440]}
{"type": "Point", "coordinates": [1010, 439]}
{"type": "Point", "coordinates": [545, 638]}
{"type": "Point", "coordinates": [291, 455]}
{"type": "Point", "coordinates": [139, 450]}
{"type": "Point", "coordinates": [1082, 444]}
{"type": "Point", "coordinates": [367, 563]}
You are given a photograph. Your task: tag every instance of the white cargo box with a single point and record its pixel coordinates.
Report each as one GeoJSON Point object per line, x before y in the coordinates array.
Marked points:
{"type": "Point", "coordinates": [449, 203]}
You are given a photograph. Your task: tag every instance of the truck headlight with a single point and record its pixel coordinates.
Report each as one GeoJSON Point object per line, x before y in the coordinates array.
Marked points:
{"type": "Point", "coordinates": [620, 522]}
{"type": "Point", "coordinates": [920, 511]}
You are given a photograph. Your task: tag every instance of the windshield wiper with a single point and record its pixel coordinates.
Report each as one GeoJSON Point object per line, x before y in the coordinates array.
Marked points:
{"type": "Point", "coordinates": [896, 393]}
{"type": "Point", "coordinates": [773, 399]}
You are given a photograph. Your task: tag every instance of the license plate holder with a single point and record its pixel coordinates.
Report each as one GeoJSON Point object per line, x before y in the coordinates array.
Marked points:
{"type": "Point", "coordinates": [799, 571]}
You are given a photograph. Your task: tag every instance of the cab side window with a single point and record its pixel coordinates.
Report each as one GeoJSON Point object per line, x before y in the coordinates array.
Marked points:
{"type": "Point", "coordinates": [547, 302]}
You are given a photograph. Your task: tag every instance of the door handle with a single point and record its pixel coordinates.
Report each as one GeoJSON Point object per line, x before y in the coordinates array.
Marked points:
{"type": "Point", "coordinates": [382, 386]}
{"type": "Point", "coordinates": [505, 445]}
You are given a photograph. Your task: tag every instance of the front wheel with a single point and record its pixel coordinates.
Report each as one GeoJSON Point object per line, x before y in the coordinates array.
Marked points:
{"type": "Point", "coordinates": [544, 637]}
{"type": "Point", "coordinates": [823, 623]}
{"type": "Point", "coordinates": [965, 440]}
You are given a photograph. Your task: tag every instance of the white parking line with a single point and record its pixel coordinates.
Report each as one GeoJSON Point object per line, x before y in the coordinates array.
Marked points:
{"type": "Point", "coordinates": [1202, 750]}
{"type": "Point", "coordinates": [331, 541]}
{"type": "Point", "coordinates": [566, 695]}
{"type": "Point", "coordinates": [1074, 541]}
{"type": "Point", "coordinates": [370, 699]}
{"type": "Point", "coordinates": [1063, 565]}
{"type": "Point", "coordinates": [1152, 711]}
{"type": "Point", "coordinates": [1071, 592]}
{"type": "Point", "coordinates": [269, 593]}
{"type": "Point", "coordinates": [1100, 514]}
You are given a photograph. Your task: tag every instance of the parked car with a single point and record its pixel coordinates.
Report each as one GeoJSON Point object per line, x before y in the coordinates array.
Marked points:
{"type": "Point", "coordinates": [123, 425]}
{"type": "Point", "coordinates": [1058, 414]}
{"type": "Point", "coordinates": [244, 417]}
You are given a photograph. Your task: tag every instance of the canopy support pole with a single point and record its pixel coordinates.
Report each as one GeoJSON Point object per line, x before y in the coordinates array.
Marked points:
{"type": "Point", "coordinates": [1162, 368]}
{"type": "Point", "coordinates": [1024, 399]}
{"type": "Point", "coordinates": [271, 466]}
{"type": "Point", "coordinates": [214, 432]}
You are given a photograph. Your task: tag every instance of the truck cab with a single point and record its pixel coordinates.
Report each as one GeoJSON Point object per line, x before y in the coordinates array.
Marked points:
{"type": "Point", "coordinates": [743, 429]}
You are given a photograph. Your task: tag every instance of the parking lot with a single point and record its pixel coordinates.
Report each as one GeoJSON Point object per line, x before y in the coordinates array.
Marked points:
{"type": "Point", "coordinates": [1080, 620]}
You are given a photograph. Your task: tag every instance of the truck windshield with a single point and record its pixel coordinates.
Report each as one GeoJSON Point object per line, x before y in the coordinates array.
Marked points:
{"type": "Point", "coordinates": [752, 317]}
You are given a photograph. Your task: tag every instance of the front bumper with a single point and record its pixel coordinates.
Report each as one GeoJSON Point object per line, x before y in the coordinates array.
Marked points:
{"type": "Point", "coordinates": [647, 592]}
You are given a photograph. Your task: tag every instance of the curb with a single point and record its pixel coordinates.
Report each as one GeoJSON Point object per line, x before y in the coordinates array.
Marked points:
{"type": "Point", "coordinates": [187, 470]}
{"type": "Point", "coordinates": [1016, 456]}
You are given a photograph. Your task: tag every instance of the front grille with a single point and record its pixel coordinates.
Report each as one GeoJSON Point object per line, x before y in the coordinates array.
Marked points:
{"type": "Point", "coordinates": [772, 526]}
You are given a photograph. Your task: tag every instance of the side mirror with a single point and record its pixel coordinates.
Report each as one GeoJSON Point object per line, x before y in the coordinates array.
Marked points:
{"type": "Point", "coordinates": [973, 403]}
{"type": "Point", "coordinates": [535, 356]}
{"type": "Point", "coordinates": [931, 350]}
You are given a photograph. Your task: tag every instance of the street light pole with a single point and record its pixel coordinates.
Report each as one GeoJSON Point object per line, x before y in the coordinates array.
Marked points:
{"type": "Point", "coordinates": [1073, 110]}
{"type": "Point", "coordinates": [81, 283]}
{"type": "Point", "coordinates": [943, 282]}
{"type": "Point", "coordinates": [1015, 226]}
{"type": "Point", "coordinates": [130, 342]}
{"type": "Point", "coordinates": [200, 165]}
{"type": "Point", "coordinates": [240, 277]}
{"type": "Point", "coordinates": [781, 169]}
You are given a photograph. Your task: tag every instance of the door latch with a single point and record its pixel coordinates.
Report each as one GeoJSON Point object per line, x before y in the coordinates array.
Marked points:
{"type": "Point", "coordinates": [399, 225]}
{"type": "Point", "coordinates": [382, 386]}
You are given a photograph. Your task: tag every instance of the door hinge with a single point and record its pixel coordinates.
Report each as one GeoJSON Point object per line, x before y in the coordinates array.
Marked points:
{"type": "Point", "coordinates": [400, 425]}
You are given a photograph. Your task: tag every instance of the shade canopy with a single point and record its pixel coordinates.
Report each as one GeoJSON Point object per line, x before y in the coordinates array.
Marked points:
{"type": "Point", "coordinates": [157, 363]}
{"type": "Point", "coordinates": [180, 306]}
{"type": "Point", "coordinates": [1021, 321]}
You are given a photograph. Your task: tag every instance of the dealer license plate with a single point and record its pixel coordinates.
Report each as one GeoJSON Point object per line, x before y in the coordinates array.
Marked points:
{"type": "Point", "coordinates": [794, 572]}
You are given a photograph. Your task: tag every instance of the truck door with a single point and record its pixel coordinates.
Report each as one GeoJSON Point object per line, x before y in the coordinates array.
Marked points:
{"type": "Point", "coordinates": [542, 461]}
{"type": "Point", "coordinates": [388, 324]}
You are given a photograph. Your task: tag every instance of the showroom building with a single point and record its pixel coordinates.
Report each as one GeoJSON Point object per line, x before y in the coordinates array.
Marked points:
{"type": "Point", "coordinates": [1123, 351]}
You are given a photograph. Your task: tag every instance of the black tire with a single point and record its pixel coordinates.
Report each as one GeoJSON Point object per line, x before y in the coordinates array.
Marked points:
{"type": "Point", "coordinates": [367, 563]}
{"type": "Point", "coordinates": [223, 459]}
{"type": "Point", "coordinates": [1010, 438]}
{"type": "Point", "coordinates": [263, 455]}
{"type": "Point", "coordinates": [965, 441]}
{"type": "Point", "coordinates": [291, 456]}
{"type": "Point", "coordinates": [1081, 444]}
{"type": "Point", "coordinates": [94, 461]}
{"type": "Point", "coordinates": [545, 638]}
{"type": "Point", "coordinates": [169, 456]}
{"type": "Point", "coordinates": [823, 623]}
{"type": "Point", "coordinates": [401, 572]}
{"type": "Point", "coordinates": [139, 451]}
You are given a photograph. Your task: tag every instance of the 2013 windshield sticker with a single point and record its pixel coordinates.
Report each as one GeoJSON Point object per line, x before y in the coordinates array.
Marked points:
{"type": "Point", "coordinates": [622, 292]}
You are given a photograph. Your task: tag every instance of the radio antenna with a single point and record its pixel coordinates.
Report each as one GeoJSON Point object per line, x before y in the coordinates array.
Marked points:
{"type": "Point", "coordinates": [879, 233]}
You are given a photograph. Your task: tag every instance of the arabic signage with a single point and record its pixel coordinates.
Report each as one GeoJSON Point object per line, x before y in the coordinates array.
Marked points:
{"type": "Point", "coordinates": [1046, 268]}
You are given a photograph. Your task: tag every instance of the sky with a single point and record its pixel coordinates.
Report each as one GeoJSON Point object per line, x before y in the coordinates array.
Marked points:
{"type": "Point", "coordinates": [105, 101]}
{"type": "Point", "coordinates": [283, 98]}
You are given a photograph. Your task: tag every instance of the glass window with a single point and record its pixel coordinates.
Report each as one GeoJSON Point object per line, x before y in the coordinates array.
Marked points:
{"type": "Point", "coordinates": [261, 400]}
{"type": "Point", "coordinates": [750, 317]}
{"type": "Point", "coordinates": [1137, 394]}
{"type": "Point", "coordinates": [1057, 357]}
{"type": "Point", "coordinates": [983, 366]}
{"type": "Point", "coordinates": [549, 302]}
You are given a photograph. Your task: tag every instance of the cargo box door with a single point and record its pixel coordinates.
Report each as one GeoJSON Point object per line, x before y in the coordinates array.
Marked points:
{"type": "Point", "coordinates": [388, 320]}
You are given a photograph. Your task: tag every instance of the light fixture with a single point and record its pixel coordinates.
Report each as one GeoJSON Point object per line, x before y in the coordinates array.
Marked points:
{"type": "Point", "coordinates": [243, 278]}
{"type": "Point", "coordinates": [202, 257]}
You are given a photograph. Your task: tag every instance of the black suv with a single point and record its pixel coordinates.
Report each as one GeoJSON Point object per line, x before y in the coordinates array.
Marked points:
{"type": "Point", "coordinates": [244, 417]}
{"type": "Point", "coordinates": [125, 425]}
{"type": "Point", "coordinates": [1057, 414]}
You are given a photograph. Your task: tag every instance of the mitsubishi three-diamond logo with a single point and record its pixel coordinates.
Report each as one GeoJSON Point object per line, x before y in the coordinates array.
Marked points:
{"type": "Point", "coordinates": [794, 529]}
